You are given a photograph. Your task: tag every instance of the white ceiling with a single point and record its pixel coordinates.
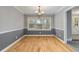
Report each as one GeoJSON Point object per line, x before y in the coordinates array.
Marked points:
{"type": "Point", "coordinates": [30, 10]}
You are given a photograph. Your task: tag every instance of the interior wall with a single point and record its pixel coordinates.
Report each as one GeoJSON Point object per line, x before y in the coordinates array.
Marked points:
{"type": "Point", "coordinates": [25, 20]}
{"type": "Point", "coordinates": [11, 25]}
{"type": "Point", "coordinates": [59, 24]}
{"type": "Point", "coordinates": [59, 21]}
{"type": "Point", "coordinates": [38, 32]}
{"type": "Point", "coordinates": [10, 19]}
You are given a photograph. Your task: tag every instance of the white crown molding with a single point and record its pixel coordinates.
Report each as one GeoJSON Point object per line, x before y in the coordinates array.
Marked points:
{"type": "Point", "coordinates": [18, 9]}
{"type": "Point", "coordinates": [60, 9]}
{"type": "Point", "coordinates": [66, 8]}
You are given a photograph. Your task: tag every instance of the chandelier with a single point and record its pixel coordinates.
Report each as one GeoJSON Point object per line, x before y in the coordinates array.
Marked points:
{"type": "Point", "coordinates": [39, 11]}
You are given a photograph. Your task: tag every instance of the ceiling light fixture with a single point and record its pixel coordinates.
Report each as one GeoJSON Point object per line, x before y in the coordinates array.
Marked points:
{"type": "Point", "coordinates": [39, 11]}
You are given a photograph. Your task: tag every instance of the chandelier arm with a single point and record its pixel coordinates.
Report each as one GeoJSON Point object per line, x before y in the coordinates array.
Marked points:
{"type": "Point", "coordinates": [39, 11]}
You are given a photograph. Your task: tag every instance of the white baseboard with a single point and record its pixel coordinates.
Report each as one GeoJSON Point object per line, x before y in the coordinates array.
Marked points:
{"type": "Point", "coordinates": [59, 39]}
{"type": "Point", "coordinates": [59, 28]}
{"type": "Point", "coordinates": [3, 50]}
{"type": "Point", "coordinates": [39, 35]}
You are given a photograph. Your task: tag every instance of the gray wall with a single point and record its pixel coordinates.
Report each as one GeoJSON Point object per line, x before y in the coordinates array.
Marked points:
{"type": "Point", "coordinates": [59, 33]}
{"type": "Point", "coordinates": [11, 25]}
{"type": "Point", "coordinates": [52, 31]}
{"type": "Point", "coordinates": [9, 37]}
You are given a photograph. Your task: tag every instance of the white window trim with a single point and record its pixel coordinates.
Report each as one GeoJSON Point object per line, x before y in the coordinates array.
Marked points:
{"type": "Point", "coordinates": [38, 29]}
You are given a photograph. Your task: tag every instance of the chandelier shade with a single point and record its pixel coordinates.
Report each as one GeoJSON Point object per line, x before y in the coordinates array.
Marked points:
{"type": "Point", "coordinates": [39, 11]}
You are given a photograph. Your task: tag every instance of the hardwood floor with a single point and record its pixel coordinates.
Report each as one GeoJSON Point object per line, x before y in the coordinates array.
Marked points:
{"type": "Point", "coordinates": [40, 44]}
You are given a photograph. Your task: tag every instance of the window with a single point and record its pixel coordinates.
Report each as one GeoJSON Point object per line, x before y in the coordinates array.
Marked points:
{"type": "Point", "coordinates": [39, 23]}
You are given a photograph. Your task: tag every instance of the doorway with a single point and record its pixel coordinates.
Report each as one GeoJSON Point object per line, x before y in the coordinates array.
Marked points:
{"type": "Point", "coordinates": [73, 27]}
{"type": "Point", "coordinates": [75, 24]}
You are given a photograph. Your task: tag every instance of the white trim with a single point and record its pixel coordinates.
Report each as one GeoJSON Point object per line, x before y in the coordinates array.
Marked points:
{"type": "Point", "coordinates": [70, 39]}
{"type": "Point", "coordinates": [69, 8]}
{"type": "Point", "coordinates": [39, 35]}
{"type": "Point", "coordinates": [59, 39]}
{"type": "Point", "coordinates": [39, 29]}
{"type": "Point", "coordinates": [10, 31]}
{"type": "Point", "coordinates": [16, 7]}
{"type": "Point", "coordinates": [59, 28]}
{"type": "Point", "coordinates": [60, 9]}
{"type": "Point", "coordinates": [11, 44]}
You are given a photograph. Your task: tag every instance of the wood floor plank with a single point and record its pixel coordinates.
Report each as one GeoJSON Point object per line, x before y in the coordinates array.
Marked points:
{"type": "Point", "coordinates": [40, 44]}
